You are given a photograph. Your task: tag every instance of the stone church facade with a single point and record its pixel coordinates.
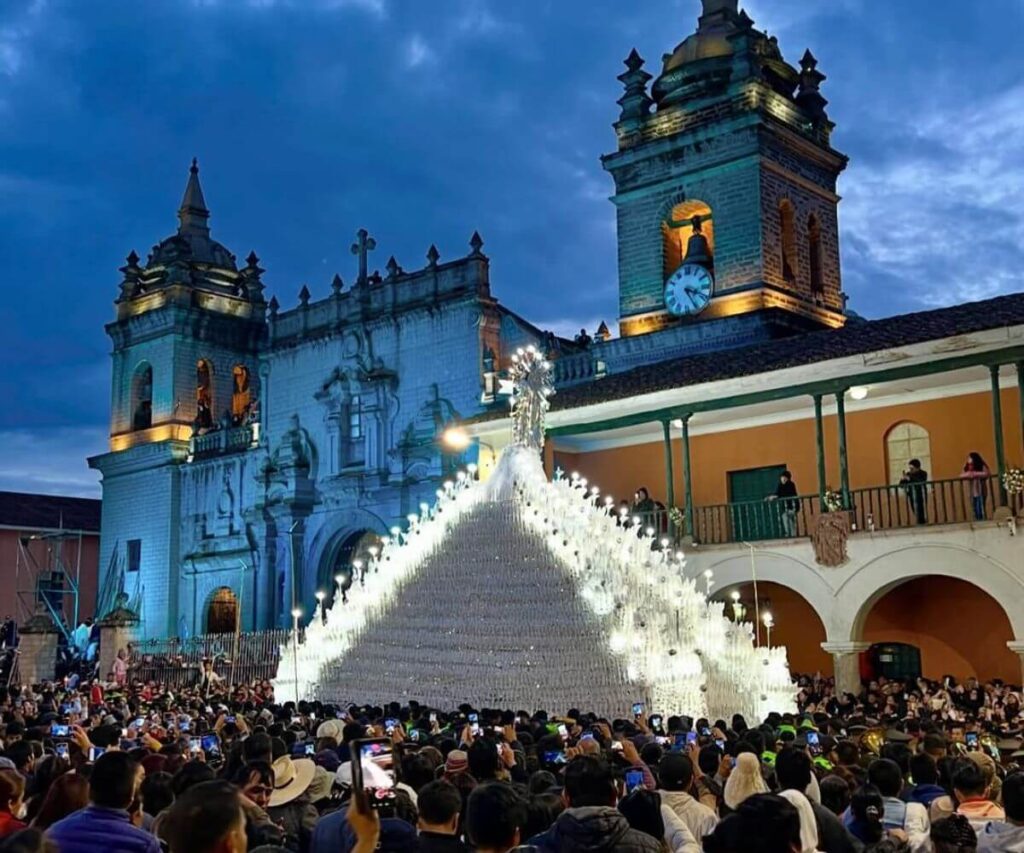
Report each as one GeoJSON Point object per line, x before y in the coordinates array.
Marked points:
{"type": "Point", "coordinates": [255, 452]}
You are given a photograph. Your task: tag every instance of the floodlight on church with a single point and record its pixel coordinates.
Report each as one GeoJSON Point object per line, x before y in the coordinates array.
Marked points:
{"type": "Point", "coordinates": [456, 438]}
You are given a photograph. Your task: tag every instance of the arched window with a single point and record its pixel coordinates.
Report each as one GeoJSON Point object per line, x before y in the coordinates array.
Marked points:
{"type": "Point", "coordinates": [204, 394]}
{"type": "Point", "coordinates": [241, 395]}
{"type": "Point", "coordinates": [678, 229]}
{"type": "Point", "coordinates": [788, 235]}
{"type": "Point", "coordinates": [906, 441]}
{"type": "Point", "coordinates": [142, 397]}
{"type": "Point", "coordinates": [814, 255]}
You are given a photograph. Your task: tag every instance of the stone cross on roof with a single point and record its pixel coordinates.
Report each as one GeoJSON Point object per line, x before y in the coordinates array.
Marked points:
{"type": "Point", "coordinates": [362, 247]}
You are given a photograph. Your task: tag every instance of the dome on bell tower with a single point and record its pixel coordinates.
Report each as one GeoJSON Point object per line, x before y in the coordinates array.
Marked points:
{"type": "Point", "coordinates": [707, 61]}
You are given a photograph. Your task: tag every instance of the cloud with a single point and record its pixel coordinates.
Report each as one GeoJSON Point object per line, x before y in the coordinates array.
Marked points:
{"type": "Point", "coordinates": [16, 32]}
{"type": "Point", "coordinates": [377, 8]}
{"type": "Point", "coordinates": [51, 461]}
{"type": "Point", "coordinates": [937, 209]}
{"type": "Point", "coordinates": [417, 52]}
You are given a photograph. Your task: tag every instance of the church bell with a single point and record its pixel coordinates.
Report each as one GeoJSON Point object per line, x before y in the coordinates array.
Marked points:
{"type": "Point", "coordinates": [697, 249]}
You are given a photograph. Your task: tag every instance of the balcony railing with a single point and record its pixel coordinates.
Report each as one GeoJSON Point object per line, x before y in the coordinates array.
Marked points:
{"type": "Point", "coordinates": [935, 502]}
{"type": "Point", "coordinates": [754, 521]}
{"type": "Point", "coordinates": [220, 441]}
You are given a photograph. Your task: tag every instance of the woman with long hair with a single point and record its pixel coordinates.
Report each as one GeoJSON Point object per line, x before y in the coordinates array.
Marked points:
{"type": "Point", "coordinates": [47, 771]}
{"type": "Point", "coordinates": [67, 794]}
{"type": "Point", "coordinates": [978, 473]}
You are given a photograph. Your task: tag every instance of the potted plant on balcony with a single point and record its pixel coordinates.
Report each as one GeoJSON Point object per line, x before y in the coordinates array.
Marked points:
{"type": "Point", "coordinates": [1013, 484]}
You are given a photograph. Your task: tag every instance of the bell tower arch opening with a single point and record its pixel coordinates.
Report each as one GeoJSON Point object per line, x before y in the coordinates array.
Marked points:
{"type": "Point", "coordinates": [142, 397]}
{"type": "Point", "coordinates": [685, 221]}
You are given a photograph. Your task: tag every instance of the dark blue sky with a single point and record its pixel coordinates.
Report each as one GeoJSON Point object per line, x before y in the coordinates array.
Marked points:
{"type": "Point", "coordinates": [423, 121]}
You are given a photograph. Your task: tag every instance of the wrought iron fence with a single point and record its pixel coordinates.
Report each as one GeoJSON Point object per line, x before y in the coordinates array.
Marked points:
{"type": "Point", "coordinates": [177, 663]}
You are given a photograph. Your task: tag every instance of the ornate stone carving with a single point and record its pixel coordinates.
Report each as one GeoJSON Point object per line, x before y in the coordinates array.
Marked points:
{"type": "Point", "coordinates": [831, 530]}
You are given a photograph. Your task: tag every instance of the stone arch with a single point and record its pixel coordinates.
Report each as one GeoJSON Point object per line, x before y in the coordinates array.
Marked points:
{"type": "Point", "coordinates": [327, 544]}
{"type": "Point", "coordinates": [780, 569]}
{"type": "Point", "coordinates": [795, 623]}
{"type": "Point", "coordinates": [861, 591]}
{"type": "Point", "coordinates": [676, 230]}
{"type": "Point", "coordinates": [205, 417]}
{"type": "Point", "coordinates": [814, 257]}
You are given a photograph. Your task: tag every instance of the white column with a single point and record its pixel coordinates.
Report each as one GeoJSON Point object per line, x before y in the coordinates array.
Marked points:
{"type": "Point", "coordinates": [846, 664]}
{"type": "Point", "coordinates": [1017, 647]}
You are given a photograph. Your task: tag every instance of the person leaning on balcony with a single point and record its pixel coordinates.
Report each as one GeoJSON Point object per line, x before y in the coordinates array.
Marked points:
{"type": "Point", "coordinates": [913, 480]}
{"type": "Point", "coordinates": [978, 473]}
{"type": "Point", "coordinates": [786, 494]}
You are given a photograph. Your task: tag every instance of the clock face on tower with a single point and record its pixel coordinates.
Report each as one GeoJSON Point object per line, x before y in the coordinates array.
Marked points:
{"type": "Point", "coordinates": [688, 290]}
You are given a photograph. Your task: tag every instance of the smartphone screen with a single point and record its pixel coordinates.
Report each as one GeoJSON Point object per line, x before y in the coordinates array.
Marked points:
{"type": "Point", "coordinates": [634, 779]}
{"type": "Point", "coordinates": [60, 750]}
{"type": "Point", "coordinates": [195, 745]}
{"type": "Point", "coordinates": [720, 744]}
{"type": "Point", "coordinates": [433, 717]}
{"type": "Point", "coordinates": [95, 752]}
{"type": "Point", "coordinates": [310, 749]}
{"type": "Point", "coordinates": [184, 725]}
{"type": "Point", "coordinates": [691, 737]}
{"type": "Point", "coordinates": [375, 773]}
{"type": "Point", "coordinates": [473, 718]}
{"type": "Point", "coordinates": [475, 729]}
{"type": "Point", "coordinates": [211, 743]}
{"type": "Point", "coordinates": [812, 739]}
{"type": "Point", "coordinates": [638, 708]}
{"type": "Point", "coordinates": [655, 721]}
{"type": "Point", "coordinates": [554, 757]}
{"type": "Point", "coordinates": [971, 738]}
{"type": "Point", "coordinates": [59, 730]}
{"type": "Point", "coordinates": [562, 730]}
{"type": "Point", "coordinates": [390, 725]}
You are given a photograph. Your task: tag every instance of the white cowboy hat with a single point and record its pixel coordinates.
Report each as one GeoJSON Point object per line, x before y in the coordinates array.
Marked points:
{"type": "Point", "coordinates": [291, 779]}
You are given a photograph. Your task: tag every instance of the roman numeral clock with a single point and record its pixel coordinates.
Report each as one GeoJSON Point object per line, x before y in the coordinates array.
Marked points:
{"type": "Point", "coordinates": [688, 290]}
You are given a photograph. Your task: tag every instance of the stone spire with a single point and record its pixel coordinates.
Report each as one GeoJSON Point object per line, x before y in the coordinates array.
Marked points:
{"type": "Point", "coordinates": [635, 102]}
{"type": "Point", "coordinates": [193, 217]}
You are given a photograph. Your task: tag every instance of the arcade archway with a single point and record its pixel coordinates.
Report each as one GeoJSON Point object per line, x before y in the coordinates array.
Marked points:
{"type": "Point", "coordinates": [339, 564]}
{"type": "Point", "coordinates": [959, 629]}
{"type": "Point", "coordinates": [796, 624]}
{"type": "Point", "coordinates": [222, 612]}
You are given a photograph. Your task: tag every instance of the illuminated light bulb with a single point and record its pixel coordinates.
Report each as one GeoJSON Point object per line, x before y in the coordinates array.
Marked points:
{"type": "Point", "coordinates": [424, 508]}
{"type": "Point", "coordinates": [649, 531]}
{"type": "Point", "coordinates": [439, 493]}
{"type": "Point", "coordinates": [636, 520]}
{"type": "Point", "coordinates": [448, 485]}
{"type": "Point", "coordinates": [663, 542]}
{"type": "Point", "coordinates": [339, 579]}
{"type": "Point", "coordinates": [472, 467]}
{"type": "Point", "coordinates": [396, 531]}
{"type": "Point", "coordinates": [583, 482]}
{"type": "Point", "coordinates": [296, 613]}
{"type": "Point", "coordinates": [617, 643]}
{"type": "Point", "coordinates": [608, 500]}
{"type": "Point", "coordinates": [456, 438]}
{"type": "Point", "coordinates": [858, 392]}
{"type": "Point", "coordinates": [412, 518]}
{"type": "Point", "coordinates": [709, 574]}
{"type": "Point", "coordinates": [768, 620]}
{"type": "Point", "coordinates": [623, 512]}
{"type": "Point", "coordinates": [461, 476]}
{"type": "Point", "coordinates": [373, 550]}
{"type": "Point", "coordinates": [321, 595]}
{"type": "Point", "coordinates": [574, 476]}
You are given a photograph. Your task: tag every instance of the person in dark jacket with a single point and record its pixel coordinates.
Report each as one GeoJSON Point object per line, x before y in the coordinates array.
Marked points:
{"type": "Point", "coordinates": [925, 773]}
{"type": "Point", "coordinates": [105, 826]}
{"type": "Point", "coordinates": [207, 818]}
{"type": "Point", "coordinates": [439, 804]}
{"type": "Point", "coordinates": [793, 772]}
{"type": "Point", "coordinates": [591, 822]}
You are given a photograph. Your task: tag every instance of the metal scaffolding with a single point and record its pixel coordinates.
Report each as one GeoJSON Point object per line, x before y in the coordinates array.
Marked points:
{"type": "Point", "coordinates": [48, 571]}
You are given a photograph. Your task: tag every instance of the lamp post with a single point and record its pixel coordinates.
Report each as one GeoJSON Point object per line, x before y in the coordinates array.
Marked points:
{"type": "Point", "coordinates": [296, 613]}
{"type": "Point", "coordinates": [739, 612]}
{"type": "Point", "coordinates": [320, 596]}
{"type": "Point", "coordinates": [769, 623]}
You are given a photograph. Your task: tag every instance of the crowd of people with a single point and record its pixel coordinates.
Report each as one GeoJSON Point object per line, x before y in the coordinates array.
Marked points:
{"type": "Point", "coordinates": [108, 767]}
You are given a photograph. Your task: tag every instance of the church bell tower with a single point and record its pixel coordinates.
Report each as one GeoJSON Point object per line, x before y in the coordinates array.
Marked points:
{"type": "Point", "coordinates": [725, 181]}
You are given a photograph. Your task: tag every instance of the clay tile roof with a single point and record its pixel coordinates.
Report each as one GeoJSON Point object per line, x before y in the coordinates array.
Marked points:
{"type": "Point", "coordinates": [856, 338]}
